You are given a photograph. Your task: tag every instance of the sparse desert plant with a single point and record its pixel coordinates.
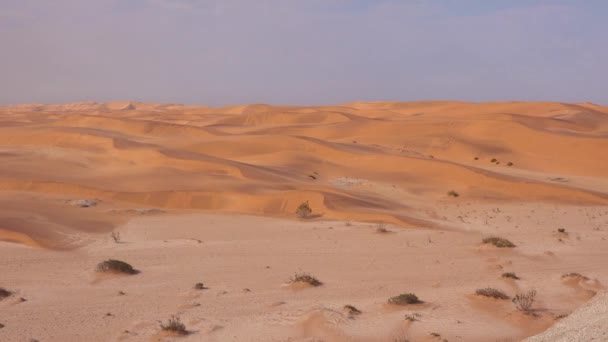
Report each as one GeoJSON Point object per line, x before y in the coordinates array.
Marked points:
{"type": "Point", "coordinates": [453, 193]}
{"type": "Point", "coordinates": [115, 236]}
{"type": "Point", "coordinates": [305, 278]}
{"type": "Point", "coordinates": [174, 325]}
{"type": "Point", "coordinates": [2, 325]}
{"type": "Point", "coordinates": [199, 286]}
{"type": "Point", "coordinates": [494, 160]}
{"type": "Point", "coordinates": [523, 301]}
{"type": "Point", "coordinates": [413, 317]}
{"type": "Point", "coordinates": [304, 210]}
{"type": "Point", "coordinates": [574, 275]}
{"type": "Point", "coordinates": [352, 310]}
{"type": "Point", "coordinates": [498, 242]}
{"type": "Point", "coordinates": [4, 293]}
{"type": "Point", "coordinates": [561, 230]}
{"type": "Point", "coordinates": [381, 229]}
{"type": "Point", "coordinates": [312, 177]}
{"type": "Point", "coordinates": [112, 265]}
{"type": "Point", "coordinates": [509, 164]}
{"type": "Point", "coordinates": [405, 299]}
{"type": "Point", "coordinates": [510, 275]}
{"type": "Point", "coordinates": [402, 338]}
{"type": "Point", "coordinates": [476, 158]}
{"type": "Point", "coordinates": [492, 293]}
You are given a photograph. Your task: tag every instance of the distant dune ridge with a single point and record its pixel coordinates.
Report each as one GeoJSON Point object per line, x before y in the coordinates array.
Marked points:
{"type": "Point", "coordinates": [259, 159]}
{"type": "Point", "coordinates": [437, 200]}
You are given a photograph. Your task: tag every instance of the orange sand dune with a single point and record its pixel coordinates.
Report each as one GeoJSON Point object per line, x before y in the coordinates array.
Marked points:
{"type": "Point", "coordinates": [266, 160]}
{"type": "Point", "coordinates": [402, 195]}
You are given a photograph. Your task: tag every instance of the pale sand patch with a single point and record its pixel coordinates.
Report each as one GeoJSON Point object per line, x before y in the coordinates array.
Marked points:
{"type": "Point", "coordinates": [261, 254]}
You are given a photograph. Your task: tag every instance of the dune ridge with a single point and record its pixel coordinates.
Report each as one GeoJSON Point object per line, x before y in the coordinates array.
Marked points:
{"type": "Point", "coordinates": [266, 160]}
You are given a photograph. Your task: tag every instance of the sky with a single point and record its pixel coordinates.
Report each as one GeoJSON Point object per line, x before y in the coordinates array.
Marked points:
{"type": "Point", "coordinates": [302, 52]}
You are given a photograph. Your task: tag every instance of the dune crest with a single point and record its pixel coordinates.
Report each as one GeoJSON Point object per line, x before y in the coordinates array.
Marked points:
{"type": "Point", "coordinates": [266, 160]}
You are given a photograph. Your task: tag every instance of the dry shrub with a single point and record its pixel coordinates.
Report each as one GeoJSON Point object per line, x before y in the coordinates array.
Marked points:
{"type": "Point", "coordinates": [112, 265]}
{"type": "Point", "coordinates": [510, 275]}
{"type": "Point", "coordinates": [4, 293]}
{"type": "Point", "coordinates": [523, 301]}
{"type": "Point", "coordinates": [492, 293]}
{"type": "Point", "coordinates": [498, 242]}
{"type": "Point", "coordinates": [352, 310]}
{"type": "Point", "coordinates": [405, 299]}
{"type": "Point", "coordinates": [304, 210]}
{"type": "Point", "coordinates": [305, 278]}
{"type": "Point", "coordinates": [174, 325]}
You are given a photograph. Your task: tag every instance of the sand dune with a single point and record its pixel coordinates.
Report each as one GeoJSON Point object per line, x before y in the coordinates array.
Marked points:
{"type": "Point", "coordinates": [518, 169]}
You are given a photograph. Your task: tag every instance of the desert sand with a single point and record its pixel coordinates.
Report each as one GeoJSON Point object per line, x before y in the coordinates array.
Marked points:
{"type": "Point", "coordinates": [201, 194]}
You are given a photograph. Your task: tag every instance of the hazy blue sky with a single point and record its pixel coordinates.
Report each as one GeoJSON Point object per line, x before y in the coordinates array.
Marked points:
{"type": "Point", "coordinates": [218, 52]}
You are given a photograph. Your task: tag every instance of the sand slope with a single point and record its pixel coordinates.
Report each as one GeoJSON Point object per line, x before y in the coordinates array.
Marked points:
{"type": "Point", "coordinates": [360, 161]}
{"type": "Point", "coordinates": [204, 194]}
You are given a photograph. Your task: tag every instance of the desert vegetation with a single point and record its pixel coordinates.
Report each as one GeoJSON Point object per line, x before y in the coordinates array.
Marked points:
{"type": "Point", "coordinates": [453, 193]}
{"type": "Point", "coordinates": [199, 286]}
{"type": "Point", "coordinates": [174, 325]}
{"type": "Point", "coordinates": [112, 265]}
{"type": "Point", "coordinates": [523, 301]}
{"type": "Point", "coordinates": [492, 293]}
{"type": "Point", "coordinates": [304, 210]}
{"type": "Point", "coordinates": [352, 311]}
{"type": "Point", "coordinates": [305, 278]}
{"type": "Point", "coordinates": [405, 299]}
{"type": "Point", "coordinates": [412, 317]}
{"type": "Point", "coordinates": [4, 293]}
{"type": "Point", "coordinates": [381, 229]}
{"type": "Point", "coordinates": [574, 275]}
{"type": "Point", "coordinates": [510, 275]}
{"type": "Point", "coordinates": [498, 242]}
{"type": "Point", "coordinates": [115, 236]}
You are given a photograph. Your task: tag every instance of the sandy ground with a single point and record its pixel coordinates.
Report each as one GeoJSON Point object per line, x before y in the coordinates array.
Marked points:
{"type": "Point", "coordinates": [586, 324]}
{"type": "Point", "coordinates": [208, 195]}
